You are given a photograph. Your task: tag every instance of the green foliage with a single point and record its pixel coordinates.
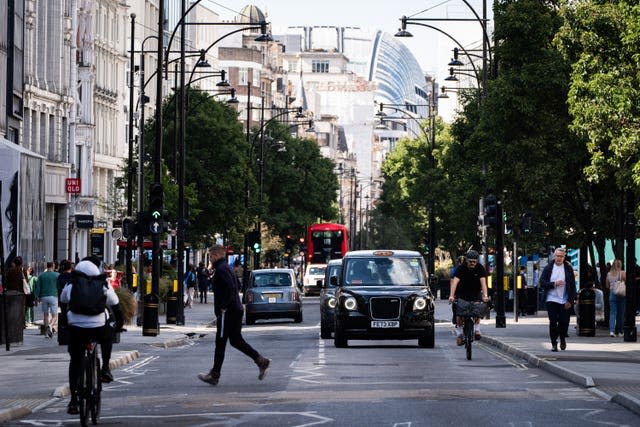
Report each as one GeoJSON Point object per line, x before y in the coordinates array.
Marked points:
{"type": "Point", "coordinates": [295, 167]}
{"type": "Point", "coordinates": [217, 170]}
{"type": "Point", "coordinates": [601, 38]}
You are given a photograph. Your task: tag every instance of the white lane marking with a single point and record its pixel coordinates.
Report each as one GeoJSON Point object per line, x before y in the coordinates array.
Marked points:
{"type": "Point", "coordinates": [504, 357]}
{"type": "Point", "coordinates": [403, 424]}
{"type": "Point", "coordinates": [321, 353]}
{"type": "Point", "coordinates": [314, 418]}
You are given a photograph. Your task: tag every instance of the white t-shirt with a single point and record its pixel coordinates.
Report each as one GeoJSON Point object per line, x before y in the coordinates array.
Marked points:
{"type": "Point", "coordinates": [558, 293]}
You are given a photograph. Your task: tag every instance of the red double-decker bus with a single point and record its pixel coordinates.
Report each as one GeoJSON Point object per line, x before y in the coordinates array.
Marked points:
{"type": "Point", "coordinates": [326, 241]}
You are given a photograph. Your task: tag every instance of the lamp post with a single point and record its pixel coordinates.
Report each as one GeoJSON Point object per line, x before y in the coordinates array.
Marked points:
{"type": "Point", "coordinates": [261, 161]}
{"type": "Point", "coordinates": [352, 208]}
{"type": "Point", "coordinates": [182, 221]}
{"type": "Point", "coordinates": [431, 136]}
{"type": "Point", "coordinates": [150, 312]}
{"type": "Point", "coordinates": [482, 80]}
{"type": "Point", "coordinates": [128, 252]}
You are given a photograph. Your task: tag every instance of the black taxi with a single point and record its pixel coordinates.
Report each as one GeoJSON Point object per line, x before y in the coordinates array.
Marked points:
{"type": "Point", "coordinates": [383, 295]}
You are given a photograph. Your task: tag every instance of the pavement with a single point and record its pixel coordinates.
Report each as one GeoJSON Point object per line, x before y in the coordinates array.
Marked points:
{"type": "Point", "coordinates": [34, 372]}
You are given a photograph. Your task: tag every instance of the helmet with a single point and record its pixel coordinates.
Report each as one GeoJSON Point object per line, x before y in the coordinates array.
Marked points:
{"type": "Point", "coordinates": [472, 254]}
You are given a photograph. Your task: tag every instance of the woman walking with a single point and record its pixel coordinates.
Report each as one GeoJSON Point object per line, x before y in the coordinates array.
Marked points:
{"type": "Point", "coordinates": [616, 302]}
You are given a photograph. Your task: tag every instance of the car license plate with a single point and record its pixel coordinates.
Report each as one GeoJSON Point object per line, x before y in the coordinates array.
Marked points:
{"type": "Point", "coordinates": [272, 298]}
{"type": "Point", "coordinates": [385, 324]}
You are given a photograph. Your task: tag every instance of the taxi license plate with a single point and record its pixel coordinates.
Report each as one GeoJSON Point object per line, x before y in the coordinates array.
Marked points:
{"type": "Point", "coordinates": [385, 324]}
{"type": "Point", "coordinates": [272, 298]}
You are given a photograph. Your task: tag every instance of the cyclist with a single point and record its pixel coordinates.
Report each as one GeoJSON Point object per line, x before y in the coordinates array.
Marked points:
{"type": "Point", "coordinates": [83, 328]}
{"type": "Point", "coordinates": [470, 284]}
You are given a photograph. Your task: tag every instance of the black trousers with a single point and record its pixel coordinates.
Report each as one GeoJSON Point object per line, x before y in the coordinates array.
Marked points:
{"type": "Point", "coordinates": [78, 339]}
{"type": "Point", "coordinates": [229, 328]}
{"type": "Point", "coordinates": [202, 289]}
{"type": "Point", "coordinates": [558, 321]}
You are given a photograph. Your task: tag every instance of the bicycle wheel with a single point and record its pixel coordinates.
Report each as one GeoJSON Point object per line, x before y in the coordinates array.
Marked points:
{"type": "Point", "coordinates": [95, 390]}
{"type": "Point", "coordinates": [84, 390]}
{"type": "Point", "coordinates": [468, 335]}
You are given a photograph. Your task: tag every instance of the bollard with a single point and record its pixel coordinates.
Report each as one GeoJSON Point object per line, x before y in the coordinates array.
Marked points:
{"type": "Point", "coordinates": [586, 313]}
{"type": "Point", "coordinates": [172, 304]}
{"type": "Point", "coordinates": [150, 323]}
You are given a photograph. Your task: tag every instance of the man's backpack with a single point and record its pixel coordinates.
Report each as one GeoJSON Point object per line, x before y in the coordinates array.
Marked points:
{"type": "Point", "coordinates": [88, 294]}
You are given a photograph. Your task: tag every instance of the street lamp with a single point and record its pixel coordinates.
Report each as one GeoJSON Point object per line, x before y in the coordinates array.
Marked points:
{"type": "Point", "coordinates": [182, 126]}
{"type": "Point", "coordinates": [486, 45]}
{"type": "Point", "coordinates": [431, 136]}
{"type": "Point", "coordinates": [486, 59]}
{"type": "Point", "coordinates": [261, 162]}
{"type": "Point", "coordinates": [150, 315]}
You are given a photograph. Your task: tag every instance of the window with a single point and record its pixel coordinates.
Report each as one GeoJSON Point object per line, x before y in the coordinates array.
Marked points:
{"type": "Point", "coordinates": [318, 66]}
{"type": "Point", "coordinates": [243, 76]}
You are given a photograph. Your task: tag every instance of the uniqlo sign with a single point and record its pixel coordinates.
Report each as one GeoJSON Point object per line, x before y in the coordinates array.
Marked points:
{"type": "Point", "coordinates": [72, 185]}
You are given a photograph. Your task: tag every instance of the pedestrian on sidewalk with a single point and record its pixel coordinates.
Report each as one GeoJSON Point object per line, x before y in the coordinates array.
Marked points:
{"type": "Point", "coordinates": [30, 299]}
{"type": "Point", "coordinates": [616, 302]}
{"type": "Point", "coordinates": [46, 294]}
{"type": "Point", "coordinates": [203, 275]}
{"type": "Point", "coordinates": [229, 311]}
{"type": "Point", "coordinates": [189, 283]}
{"type": "Point", "coordinates": [66, 276]}
{"type": "Point", "coordinates": [522, 291]}
{"type": "Point", "coordinates": [559, 287]}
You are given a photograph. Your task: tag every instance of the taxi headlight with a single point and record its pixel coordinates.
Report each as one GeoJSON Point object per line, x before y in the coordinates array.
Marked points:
{"type": "Point", "coordinates": [350, 303]}
{"type": "Point", "coordinates": [419, 303]}
{"type": "Point", "coordinates": [331, 302]}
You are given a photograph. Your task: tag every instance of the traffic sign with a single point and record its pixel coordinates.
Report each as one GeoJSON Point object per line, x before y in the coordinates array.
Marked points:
{"type": "Point", "coordinates": [156, 227]}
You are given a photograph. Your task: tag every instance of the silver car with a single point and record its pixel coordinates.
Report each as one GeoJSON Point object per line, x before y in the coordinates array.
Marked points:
{"type": "Point", "coordinates": [272, 294]}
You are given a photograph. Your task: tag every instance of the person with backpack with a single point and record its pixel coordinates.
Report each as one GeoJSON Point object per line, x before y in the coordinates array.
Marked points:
{"type": "Point", "coordinates": [190, 282]}
{"type": "Point", "coordinates": [89, 297]}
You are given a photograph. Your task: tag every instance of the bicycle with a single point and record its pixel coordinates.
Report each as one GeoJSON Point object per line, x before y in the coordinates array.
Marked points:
{"type": "Point", "coordinates": [469, 310]}
{"type": "Point", "coordinates": [90, 385]}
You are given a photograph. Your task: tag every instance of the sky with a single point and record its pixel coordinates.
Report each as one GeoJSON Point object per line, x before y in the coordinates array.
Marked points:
{"type": "Point", "coordinates": [432, 49]}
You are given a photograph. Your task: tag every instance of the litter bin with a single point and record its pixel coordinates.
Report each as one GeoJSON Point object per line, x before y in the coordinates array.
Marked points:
{"type": "Point", "coordinates": [586, 313]}
{"type": "Point", "coordinates": [531, 300]}
{"type": "Point", "coordinates": [445, 288]}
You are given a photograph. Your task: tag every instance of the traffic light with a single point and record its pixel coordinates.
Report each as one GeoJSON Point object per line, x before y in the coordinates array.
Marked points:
{"type": "Point", "coordinates": [491, 210]}
{"type": "Point", "coordinates": [156, 208]}
{"type": "Point", "coordinates": [288, 245]}
{"type": "Point", "coordinates": [128, 228]}
{"type": "Point", "coordinates": [526, 223]}
{"type": "Point", "coordinates": [256, 247]}
{"type": "Point", "coordinates": [426, 242]}
{"type": "Point", "coordinates": [253, 237]}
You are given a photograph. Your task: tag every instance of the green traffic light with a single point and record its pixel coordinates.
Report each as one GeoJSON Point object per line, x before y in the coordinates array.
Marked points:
{"type": "Point", "coordinates": [155, 214]}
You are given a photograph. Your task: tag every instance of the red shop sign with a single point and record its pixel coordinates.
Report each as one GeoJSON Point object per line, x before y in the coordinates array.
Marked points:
{"type": "Point", "coordinates": [72, 185]}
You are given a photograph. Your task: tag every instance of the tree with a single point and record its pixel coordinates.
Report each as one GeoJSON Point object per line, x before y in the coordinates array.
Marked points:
{"type": "Point", "coordinates": [294, 167]}
{"type": "Point", "coordinates": [217, 164]}
{"type": "Point", "coordinates": [601, 38]}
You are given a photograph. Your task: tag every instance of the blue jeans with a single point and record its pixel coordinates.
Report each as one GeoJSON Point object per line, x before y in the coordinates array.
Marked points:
{"type": "Point", "coordinates": [616, 314]}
